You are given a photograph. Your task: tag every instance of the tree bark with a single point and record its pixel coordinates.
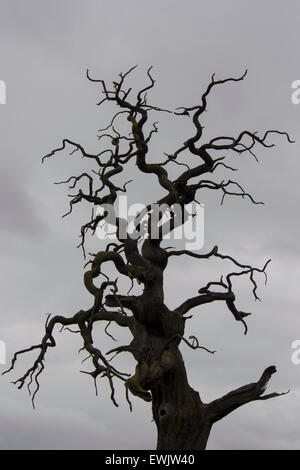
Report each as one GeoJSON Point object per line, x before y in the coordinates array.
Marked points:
{"type": "Point", "coordinates": [179, 414]}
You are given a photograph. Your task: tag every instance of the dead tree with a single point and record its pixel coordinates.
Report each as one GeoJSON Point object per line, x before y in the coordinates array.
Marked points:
{"type": "Point", "coordinates": [183, 421]}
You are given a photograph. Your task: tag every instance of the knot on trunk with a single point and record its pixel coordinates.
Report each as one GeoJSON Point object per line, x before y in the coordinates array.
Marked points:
{"type": "Point", "coordinates": [148, 375]}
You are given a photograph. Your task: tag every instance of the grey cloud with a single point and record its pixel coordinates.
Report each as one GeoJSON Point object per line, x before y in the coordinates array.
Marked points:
{"type": "Point", "coordinates": [45, 48]}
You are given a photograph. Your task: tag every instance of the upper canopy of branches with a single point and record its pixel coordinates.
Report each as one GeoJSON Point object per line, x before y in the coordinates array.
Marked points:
{"type": "Point", "coordinates": [111, 160]}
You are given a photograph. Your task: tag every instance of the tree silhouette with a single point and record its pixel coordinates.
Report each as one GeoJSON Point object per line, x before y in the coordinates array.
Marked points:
{"type": "Point", "coordinates": [183, 421]}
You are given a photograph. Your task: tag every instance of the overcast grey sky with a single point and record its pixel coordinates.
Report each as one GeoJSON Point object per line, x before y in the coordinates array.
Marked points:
{"type": "Point", "coordinates": [45, 48]}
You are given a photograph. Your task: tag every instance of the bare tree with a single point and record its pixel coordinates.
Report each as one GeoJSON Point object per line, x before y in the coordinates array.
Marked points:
{"type": "Point", "coordinates": [183, 421]}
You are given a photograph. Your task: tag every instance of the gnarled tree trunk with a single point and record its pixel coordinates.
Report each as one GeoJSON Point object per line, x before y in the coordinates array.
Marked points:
{"type": "Point", "coordinates": [183, 421]}
{"type": "Point", "coordinates": [180, 416]}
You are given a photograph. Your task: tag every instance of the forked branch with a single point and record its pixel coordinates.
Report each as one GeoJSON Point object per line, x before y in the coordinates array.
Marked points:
{"type": "Point", "coordinates": [221, 407]}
